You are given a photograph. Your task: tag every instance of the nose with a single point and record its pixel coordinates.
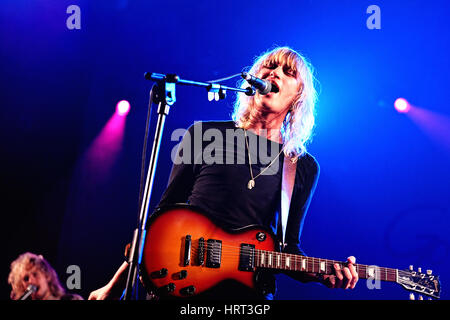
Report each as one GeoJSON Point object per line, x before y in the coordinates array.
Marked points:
{"type": "Point", "coordinates": [275, 72]}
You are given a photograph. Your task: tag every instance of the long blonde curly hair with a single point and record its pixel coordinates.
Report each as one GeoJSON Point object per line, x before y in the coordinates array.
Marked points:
{"type": "Point", "coordinates": [27, 262]}
{"type": "Point", "coordinates": [299, 122]}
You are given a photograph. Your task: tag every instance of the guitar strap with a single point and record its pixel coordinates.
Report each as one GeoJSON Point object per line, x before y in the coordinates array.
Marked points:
{"type": "Point", "coordinates": [287, 186]}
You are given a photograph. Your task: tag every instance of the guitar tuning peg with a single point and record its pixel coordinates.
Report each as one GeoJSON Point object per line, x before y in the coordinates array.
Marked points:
{"type": "Point", "coordinates": [411, 268]}
{"type": "Point", "coordinates": [411, 296]}
{"type": "Point", "coordinates": [420, 297]}
{"type": "Point", "coordinates": [429, 272]}
{"type": "Point", "coordinates": [419, 270]}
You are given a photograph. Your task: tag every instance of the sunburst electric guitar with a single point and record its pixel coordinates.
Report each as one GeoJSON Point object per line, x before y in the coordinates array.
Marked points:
{"type": "Point", "coordinates": [186, 253]}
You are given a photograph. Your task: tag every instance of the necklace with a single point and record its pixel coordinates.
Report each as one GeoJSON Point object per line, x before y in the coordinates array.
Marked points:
{"type": "Point", "coordinates": [251, 182]}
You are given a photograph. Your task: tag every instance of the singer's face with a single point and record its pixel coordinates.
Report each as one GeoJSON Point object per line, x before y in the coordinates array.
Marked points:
{"type": "Point", "coordinates": [288, 84]}
{"type": "Point", "coordinates": [37, 278]}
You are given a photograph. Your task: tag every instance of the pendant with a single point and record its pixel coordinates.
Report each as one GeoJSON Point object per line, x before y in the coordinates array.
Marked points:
{"type": "Point", "coordinates": [251, 184]}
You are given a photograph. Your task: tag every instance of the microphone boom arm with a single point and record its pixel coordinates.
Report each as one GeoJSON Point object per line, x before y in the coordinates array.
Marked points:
{"type": "Point", "coordinates": [218, 91]}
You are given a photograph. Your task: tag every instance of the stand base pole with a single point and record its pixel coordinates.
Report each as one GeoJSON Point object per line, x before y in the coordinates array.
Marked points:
{"type": "Point", "coordinates": [164, 95]}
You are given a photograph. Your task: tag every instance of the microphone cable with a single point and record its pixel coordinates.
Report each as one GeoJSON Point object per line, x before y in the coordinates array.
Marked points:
{"type": "Point", "coordinates": [226, 78]}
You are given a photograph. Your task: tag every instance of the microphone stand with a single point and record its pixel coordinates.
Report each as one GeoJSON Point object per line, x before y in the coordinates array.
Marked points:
{"type": "Point", "coordinates": [163, 94]}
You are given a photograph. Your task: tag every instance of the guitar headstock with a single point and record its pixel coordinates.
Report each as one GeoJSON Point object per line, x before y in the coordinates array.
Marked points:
{"type": "Point", "coordinates": [423, 283]}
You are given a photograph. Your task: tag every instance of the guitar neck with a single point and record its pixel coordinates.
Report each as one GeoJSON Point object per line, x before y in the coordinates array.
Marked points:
{"type": "Point", "coordinates": [292, 262]}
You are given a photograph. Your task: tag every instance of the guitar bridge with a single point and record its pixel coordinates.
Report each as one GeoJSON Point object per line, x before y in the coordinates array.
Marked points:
{"type": "Point", "coordinates": [201, 251]}
{"type": "Point", "coordinates": [187, 250]}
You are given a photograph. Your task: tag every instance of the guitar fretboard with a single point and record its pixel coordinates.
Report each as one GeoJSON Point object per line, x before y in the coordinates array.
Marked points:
{"type": "Point", "coordinates": [292, 262]}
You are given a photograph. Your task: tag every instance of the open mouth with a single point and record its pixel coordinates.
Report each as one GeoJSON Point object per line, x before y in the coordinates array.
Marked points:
{"type": "Point", "coordinates": [36, 290]}
{"type": "Point", "coordinates": [275, 87]}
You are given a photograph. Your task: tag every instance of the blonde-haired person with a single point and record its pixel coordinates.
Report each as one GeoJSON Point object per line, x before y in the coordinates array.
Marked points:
{"type": "Point", "coordinates": [249, 193]}
{"type": "Point", "coordinates": [32, 269]}
{"type": "Point", "coordinates": [288, 115]}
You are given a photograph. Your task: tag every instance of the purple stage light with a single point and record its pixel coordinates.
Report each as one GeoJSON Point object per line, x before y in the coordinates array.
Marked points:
{"type": "Point", "coordinates": [123, 107]}
{"type": "Point", "coordinates": [402, 105]}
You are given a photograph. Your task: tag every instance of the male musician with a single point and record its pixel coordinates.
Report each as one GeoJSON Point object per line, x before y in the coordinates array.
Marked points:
{"type": "Point", "coordinates": [30, 269]}
{"type": "Point", "coordinates": [248, 192]}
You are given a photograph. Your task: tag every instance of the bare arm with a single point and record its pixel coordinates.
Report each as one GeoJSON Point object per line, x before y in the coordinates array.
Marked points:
{"type": "Point", "coordinates": [115, 286]}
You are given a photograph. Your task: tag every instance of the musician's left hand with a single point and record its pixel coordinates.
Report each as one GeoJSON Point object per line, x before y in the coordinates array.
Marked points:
{"type": "Point", "coordinates": [345, 277]}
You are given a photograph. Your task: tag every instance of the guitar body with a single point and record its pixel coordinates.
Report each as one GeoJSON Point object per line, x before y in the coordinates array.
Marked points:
{"type": "Point", "coordinates": [181, 255]}
{"type": "Point", "coordinates": [185, 254]}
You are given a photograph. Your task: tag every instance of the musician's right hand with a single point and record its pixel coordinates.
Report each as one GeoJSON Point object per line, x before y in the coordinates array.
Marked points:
{"type": "Point", "coordinates": [114, 288]}
{"type": "Point", "coordinates": [103, 293]}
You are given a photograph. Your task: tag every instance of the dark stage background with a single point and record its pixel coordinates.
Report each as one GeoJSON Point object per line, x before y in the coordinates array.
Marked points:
{"type": "Point", "coordinates": [383, 193]}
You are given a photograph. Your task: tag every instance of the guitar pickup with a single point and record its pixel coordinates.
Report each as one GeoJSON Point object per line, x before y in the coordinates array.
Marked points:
{"type": "Point", "coordinates": [247, 257]}
{"type": "Point", "coordinates": [187, 250]}
{"type": "Point", "coordinates": [214, 253]}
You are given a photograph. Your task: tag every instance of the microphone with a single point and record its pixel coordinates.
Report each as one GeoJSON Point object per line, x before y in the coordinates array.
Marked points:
{"type": "Point", "coordinates": [30, 290]}
{"type": "Point", "coordinates": [263, 86]}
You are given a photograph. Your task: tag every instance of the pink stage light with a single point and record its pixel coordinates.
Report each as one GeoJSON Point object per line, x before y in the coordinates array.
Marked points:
{"type": "Point", "coordinates": [401, 105]}
{"type": "Point", "coordinates": [104, 151]}
{"type": "Point", "coordinates": [435, 124]}
{"type": "Point", "coordinates": [123, 107]}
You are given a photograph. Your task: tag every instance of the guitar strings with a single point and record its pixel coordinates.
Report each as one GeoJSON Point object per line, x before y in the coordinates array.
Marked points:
{"type": "Point", "coordinates": [230, 249]}
{"type": "Point", "coordinates": [230, 252]}
{"type": "Point", "coordinates": [234, 250]}
{"type": "Point", "coordinates": [234, 253]}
